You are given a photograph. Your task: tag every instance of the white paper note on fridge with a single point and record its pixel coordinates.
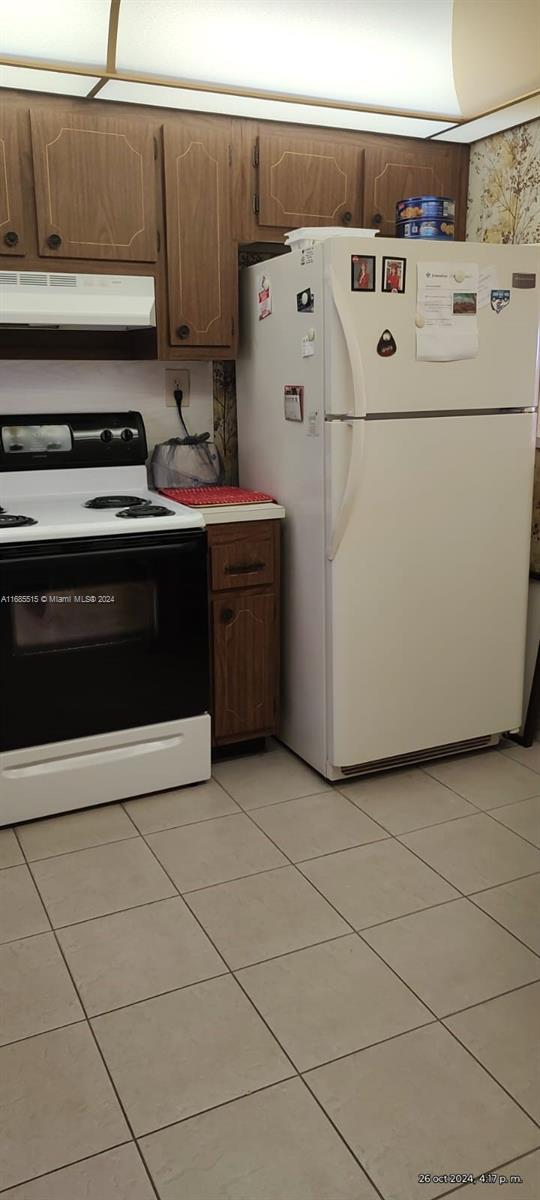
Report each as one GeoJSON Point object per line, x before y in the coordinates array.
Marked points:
{"type": "Point", "coordinates": [446, 311]}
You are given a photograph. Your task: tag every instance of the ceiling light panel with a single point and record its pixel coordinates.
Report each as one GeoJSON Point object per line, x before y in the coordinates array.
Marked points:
{"type": "Point", "coordinates": [514, 114]}
{"type": "Point", "coordinates": [65, 31]}
{"type": "Point", "coordinates": [58, 83]}
{"type": "Point", "coordinates": [266, 110]}
{"type": "Point", "coordinates": [382, 53]}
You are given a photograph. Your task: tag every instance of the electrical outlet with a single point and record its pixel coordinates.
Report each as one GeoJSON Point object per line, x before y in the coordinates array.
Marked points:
{"type": "Point", "coordinates": [175, 379]}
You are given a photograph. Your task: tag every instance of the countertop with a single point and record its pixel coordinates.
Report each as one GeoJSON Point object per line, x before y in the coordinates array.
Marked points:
{"type": "Point", "coordinates": [221, 514]}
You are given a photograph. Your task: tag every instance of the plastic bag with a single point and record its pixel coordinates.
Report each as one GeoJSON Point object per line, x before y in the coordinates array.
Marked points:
{"type": "Point", "coordinates": [175, 464]}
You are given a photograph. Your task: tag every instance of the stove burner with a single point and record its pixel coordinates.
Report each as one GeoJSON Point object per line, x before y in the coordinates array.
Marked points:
{"type": "Point", "coordinates": [148, 510]}
{"type": "Point", "coordinates": [8, 520]}
{"type": "Point", "coordinates": [115, 502]}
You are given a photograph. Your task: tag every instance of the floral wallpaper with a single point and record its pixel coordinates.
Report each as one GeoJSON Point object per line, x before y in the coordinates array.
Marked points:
{"type": "Point", "coordinates": [504, 206]}
{"type": "Point", "coordinates": [504, 187]}
{"type": "Point", "coordinates": [225, 431]}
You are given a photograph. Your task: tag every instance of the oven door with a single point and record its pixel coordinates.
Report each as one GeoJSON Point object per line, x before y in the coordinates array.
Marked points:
{"type": "Point", "coordinates": [101, 635]}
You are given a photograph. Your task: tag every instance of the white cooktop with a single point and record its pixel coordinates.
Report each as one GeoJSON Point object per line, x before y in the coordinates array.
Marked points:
{"type": "Point", "coordinates": [56, 501]}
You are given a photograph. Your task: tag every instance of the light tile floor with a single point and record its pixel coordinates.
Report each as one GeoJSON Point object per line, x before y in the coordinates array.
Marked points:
{"type": "Point", "coordinates": [267, 988]}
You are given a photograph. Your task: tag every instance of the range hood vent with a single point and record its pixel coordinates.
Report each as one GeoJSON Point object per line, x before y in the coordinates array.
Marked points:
{"type": "Point", "coordinates": [60, 300]}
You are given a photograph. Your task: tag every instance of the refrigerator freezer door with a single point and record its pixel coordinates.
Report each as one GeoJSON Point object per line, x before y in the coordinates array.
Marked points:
{"type": "Point", "coordinates": [427, 586]}
{"type": "Point", "coordinates": [504, 374]}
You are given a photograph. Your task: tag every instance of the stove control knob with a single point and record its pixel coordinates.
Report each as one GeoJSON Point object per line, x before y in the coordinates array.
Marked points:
{"type": "Point", "coordinates": [106, 435]}
{"type": "Point", "coordinates": [127, 435]}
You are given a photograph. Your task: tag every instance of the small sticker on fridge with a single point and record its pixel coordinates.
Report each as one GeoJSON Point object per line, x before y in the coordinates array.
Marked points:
{"type": "Point", "coordinates": [305, 301]}
{"type": "Point", "coordinates": [293, 401]}
{"type": "Point", "coordinates": [523, 279]}
{"type": "Point", "coordinates": [306, 256]}
{"type": "Point", "coordinates": [308, 344]}
{"type": "Point", "coordinates": [264, 297]}
{"type": "Point", "coordinates": [500, 297]}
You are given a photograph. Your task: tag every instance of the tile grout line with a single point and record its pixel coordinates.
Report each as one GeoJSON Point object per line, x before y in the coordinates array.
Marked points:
{"type": "Point", "coordinates": [352, 931]}
{"type": "Point", "coordinates": [278, 1043]}
{"type": "Point", "coordinates": [96, 1042]}
{"type": "Point", "coordinates": [130, 837]}
{"type": "Point", "coordinates": [490, 1073]}
{"type": "Point", "coordinates": [438, 1020]}
{"type": "Point", "coordinates": [356, 933]}
{"type": "Point", "coordinates": [490, 812]}
{"type": "Point", "coordinates": [46, 1174]}
{"type": "Point", "coordinates": [489, 1171]}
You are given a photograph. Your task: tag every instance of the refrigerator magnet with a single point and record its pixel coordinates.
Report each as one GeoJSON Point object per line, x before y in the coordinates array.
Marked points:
{"type": "Point", "coordinates": [362, 272]}
{"type": "Point", "coordinates": [293, 401]}
{"type": "Point", "coordinates": [499, 297]}
{"type": "Point", "coordinates": [305, 301]}
{"type": "Point", "coordinates": [393, 274]}
{"type": "Point", "coordinates": [264, 297]}
{"type": "Point", "coordinates": [386, 345]}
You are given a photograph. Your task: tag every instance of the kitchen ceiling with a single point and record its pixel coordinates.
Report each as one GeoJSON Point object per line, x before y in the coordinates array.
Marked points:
{"type": "Point", "coordinates": [450, 69]}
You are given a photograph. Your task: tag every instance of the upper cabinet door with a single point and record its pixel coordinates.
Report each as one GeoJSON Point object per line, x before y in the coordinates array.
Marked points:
{"type": "Point", "coordinates": [308, 181]}
{"type": "Point", "coordinates": [201, 255]}
{"type": "Point", "coordinates": [12, 234]}
{"type": "Point", "coordinates": [95, 187]}
{"type": "Point", "coordinates": [395, 171]}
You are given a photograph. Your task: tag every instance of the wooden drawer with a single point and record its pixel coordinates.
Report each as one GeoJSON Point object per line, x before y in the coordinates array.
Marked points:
{"type": "Point", "coordinates": [245, 560]}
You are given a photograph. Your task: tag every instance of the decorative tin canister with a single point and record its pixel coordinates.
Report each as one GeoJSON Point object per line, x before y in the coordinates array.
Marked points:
{"type": "Point", "coordinates": [426, 217]}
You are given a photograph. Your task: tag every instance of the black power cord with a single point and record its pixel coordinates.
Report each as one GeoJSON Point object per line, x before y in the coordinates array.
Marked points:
{"type": "Point", "coordinates": [189, 439]}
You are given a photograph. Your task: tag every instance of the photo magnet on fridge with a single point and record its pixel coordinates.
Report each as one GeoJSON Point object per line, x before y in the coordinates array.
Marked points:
{"type": "Point", "coordinates": [393, 274]}
{"type": "Point", "coordinates": [305, 301]}
{"type": "Point", "coordinates": [362, 272]}
{"type": "Point", "coordinates": [500, 297]}
{"type": "Point", "coordinates": [293, 401]}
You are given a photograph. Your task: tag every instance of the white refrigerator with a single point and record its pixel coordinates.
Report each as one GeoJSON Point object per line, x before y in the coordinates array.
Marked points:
{"type": "Point", "coordinates": [407, 483]}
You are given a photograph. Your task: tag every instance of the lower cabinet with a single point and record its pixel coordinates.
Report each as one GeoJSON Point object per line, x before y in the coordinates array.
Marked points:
{"type": "Point", "coordinates": [244, 617]}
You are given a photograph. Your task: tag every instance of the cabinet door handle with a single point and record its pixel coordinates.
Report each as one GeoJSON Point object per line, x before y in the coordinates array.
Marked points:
{"type": "Point", "coordinates": [54, 241]}
{"type": "Point", "coordinates": [346, 218]}
{"type": "Point", "coordinates": [183, 331]}
{"type": "Point", "coordinates": [11, 238]}
{"type": "Point", "coordinates": [227, 615]}
{"type": "Point", "coordinates": [376, 219]}
{"type": "Point", "coordinates": [244, 568]}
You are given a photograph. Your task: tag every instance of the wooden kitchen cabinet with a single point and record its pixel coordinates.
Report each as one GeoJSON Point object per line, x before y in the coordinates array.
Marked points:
{"type": "Point", "coordinates": [12, 219]}
{"type": "Point", "coordinates": [201, 253]}
{"type": "Point", "coordinates": [244, 617]}
{"type": "Point", "coordinates": [298, 177]}
{"type": "Point", "coordinates": [94, 186]}
{"type": "Point", "coordinates": [397, 169]}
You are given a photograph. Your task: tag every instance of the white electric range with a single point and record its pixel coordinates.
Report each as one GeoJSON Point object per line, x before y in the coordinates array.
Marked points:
{"type": "Point", "coordinates": [103, 619]}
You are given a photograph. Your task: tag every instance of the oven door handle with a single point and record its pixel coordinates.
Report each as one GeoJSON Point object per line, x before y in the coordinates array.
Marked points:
{"type": "Point", "coordinates": [35, 559]}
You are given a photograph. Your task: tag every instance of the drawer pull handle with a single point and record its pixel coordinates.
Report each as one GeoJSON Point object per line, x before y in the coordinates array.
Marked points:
{"type": "Point", "coordinates": [11, 238]}
{"type": "Point", "coordinates": [54, 241]}
{"type": "Point", "coordinates": [227, 615]}
{"type": "Point", "coordinates": [244, 568]}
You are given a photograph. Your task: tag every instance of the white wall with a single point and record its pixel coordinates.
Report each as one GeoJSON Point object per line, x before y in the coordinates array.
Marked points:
{"type": "Point", "coordinates": [50, 386]}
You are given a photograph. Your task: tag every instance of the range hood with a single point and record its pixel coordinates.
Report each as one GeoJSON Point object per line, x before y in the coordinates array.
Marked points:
{"type": "Point", "coordinates": [65, 301]}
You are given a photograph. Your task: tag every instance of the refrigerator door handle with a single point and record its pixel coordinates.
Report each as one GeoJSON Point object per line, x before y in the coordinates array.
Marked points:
{"type": "Point", "coordinates": [352, 486]}
{"type": "Point", "coordinates": [342, 302]}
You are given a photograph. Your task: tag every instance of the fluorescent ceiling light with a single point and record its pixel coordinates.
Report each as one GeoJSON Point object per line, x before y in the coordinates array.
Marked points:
{"type": "Point", "coordinates": [381, 53]}
{"type": "Point", "coordinates": [60, 31]}
{"type": "Point", "coordinates": [266, 110]}
{"type": "Point", "coordinates": [58, 82]}
{"type": "Point", "coordinates": [514, 114]}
